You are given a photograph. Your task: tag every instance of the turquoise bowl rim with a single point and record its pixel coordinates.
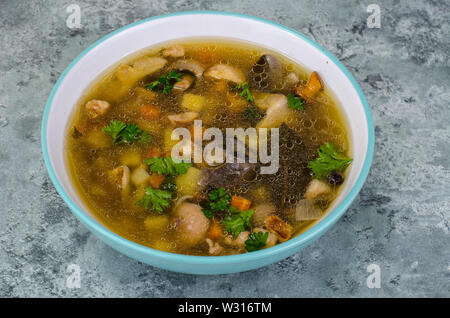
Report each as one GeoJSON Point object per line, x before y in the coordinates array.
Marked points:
{"type": "Point", "coordinates": [253, 259]}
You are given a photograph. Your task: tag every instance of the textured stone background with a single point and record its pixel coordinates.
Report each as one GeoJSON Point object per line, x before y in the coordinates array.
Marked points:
{"type": "Point", "coordinates": [400, 221]}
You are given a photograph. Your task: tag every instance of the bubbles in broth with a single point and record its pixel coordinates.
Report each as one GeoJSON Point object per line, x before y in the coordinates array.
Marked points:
{"type": "Point", "coordinates": [119, 148]}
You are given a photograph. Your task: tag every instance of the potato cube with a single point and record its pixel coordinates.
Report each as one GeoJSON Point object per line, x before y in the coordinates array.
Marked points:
{"type": "Point", "coordinates": [187, 183]}
{"type": "Point", "coordinates": [139, 176]}
{"type": "Point", "coordinates": [131, 158]}
{"type": "Point", "coordinates": [193, 102]}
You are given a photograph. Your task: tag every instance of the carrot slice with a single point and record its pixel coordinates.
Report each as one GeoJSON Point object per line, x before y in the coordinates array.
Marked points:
{"type": "Point", "coordinates": [240, 203]}
{"type": "Point", "coordinates": [215, 231]}
{"type": "Point", "coordinates": [156, 180]}
{"type": "Point", "coordinates": [152, 153]}
{"type": "Point", "coordinates": [150, 111]}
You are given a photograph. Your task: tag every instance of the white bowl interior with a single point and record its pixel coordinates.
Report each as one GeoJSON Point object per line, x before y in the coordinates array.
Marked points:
{"type": "Point", "coordinates": [133, 39]}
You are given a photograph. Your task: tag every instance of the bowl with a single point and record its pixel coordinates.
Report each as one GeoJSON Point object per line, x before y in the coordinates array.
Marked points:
{"type": "Point", "coordinates": [113, 47]}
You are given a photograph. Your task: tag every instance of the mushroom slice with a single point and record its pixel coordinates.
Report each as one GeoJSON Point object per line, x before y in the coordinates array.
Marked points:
{"type": "Point", "coordinates": [278, 227]}
{"type": "Point", "coordinates": [189, 65]}
{"type": "Point", "coordinates": [121, 176]}
{"type": "Point", "coordinates": [175, 50]}
{"type": "Point", "coordinates": [226, 72]}
{"type": "Point", "coordinates": [186, 81]}
{"type": "Point", "coordinates": [277, 110]}
{"type": "Point", "coordinates": [311, 89]}
{"type": "Point", "coordinates": [266, 72]}
{"type": "Point", "coordinates": [97, 107]}
{"type": "Point", "coordinates": [183, 118]}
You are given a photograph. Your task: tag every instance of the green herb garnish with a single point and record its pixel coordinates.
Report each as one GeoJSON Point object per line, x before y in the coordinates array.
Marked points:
{"type": "Point", "coordinates": [125, 133]}
{"type": "Point", "coordinates": [237, 221]}
{"type": "Point", "coordinates": [156, 200]}
{"type": "Point", "coordinates": [256, 241]}
{"type": "Point", "coordinates": [329, 159]}
{"type": "Point", "coordinates": [167, 166]}
{"type": "Point", "coordinates": [219, 201]}
{"type": "Point", "coordinates": [295, 102]}
{"type": "Point", "coordinates": [245, 92]}
{"type": "Point", "coordinates": [251, 113]}
{"type": "Point", "coordinates": [169, 185]}
{"type": "Point", "coordinates": [166, 82]}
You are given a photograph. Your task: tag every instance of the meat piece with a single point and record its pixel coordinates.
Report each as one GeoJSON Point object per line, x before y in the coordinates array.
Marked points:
{"type": "Point", "coordinates": [272, 239]}
{"type": "Point", "coordinates": [121, 177]}
{"type": "Point", "coordinates": [226, 72]}
{"type": "Point", "coordinates": [214, 247]}
{"type": "Point", "coordinates": [318, 190]}
{"type": "Point", "coordinates": [186, 81]}
{"type": "Point", "coordinates": [238, 241]}
{"type": "Point", "coordinates": [175, 50]}
{"type": "Point", "coordinates": [96, 107]}
{"type": "Point", "coordinates": [182, 118]}
{"type": "Point", "coordinates": [277, 110]}
{"type": "Point", "coordinates": [190, 224]}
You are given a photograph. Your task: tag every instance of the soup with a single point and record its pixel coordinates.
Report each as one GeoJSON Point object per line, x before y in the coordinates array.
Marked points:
{"type": "Point", "coordinates": [121, 141]}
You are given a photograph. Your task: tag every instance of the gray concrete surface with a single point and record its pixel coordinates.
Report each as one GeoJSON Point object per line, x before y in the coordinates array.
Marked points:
{"type": "Point", "coordinates": [400, 221]}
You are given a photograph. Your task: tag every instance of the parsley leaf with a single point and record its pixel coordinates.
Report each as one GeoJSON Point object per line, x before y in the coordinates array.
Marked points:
{"type": "Point", "coordinates": [167, 166]}
{"type": "Point", "coordinates": [169, 185]}
{"type": "Point", "coordinates": [256, 241]}
{"type": "Point", "coordinates": [125, 133]}
{"type": "Point", "coordinates": [330, 159]}
{"type": "Point", "coordinates": [166, 82]}
{"type": "Point", "coordinates": [245, 92]}
{"type": "Point", "coordinates": [219, 201]}
{"type": "Point", "coordinates": [295, 102]}
{"type": "Point", "coordinates": [236, 221]}
{"type": "Point", "coordinates": [156, 200]}
{"type": "Point", "coordinates": [251, 113]}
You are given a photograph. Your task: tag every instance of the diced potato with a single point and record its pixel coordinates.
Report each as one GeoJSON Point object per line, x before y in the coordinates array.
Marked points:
{"type": "Point", "coordinates": [131, 158]}
{"type": "Point", "coordinates": [152, 126]}
{"type": "Point", "coordinates": [187, 183]}
{"type": "Point", "coordinates": [140, 176]}
{"type": "Point", "coordinates": [155, 223]}
{"type": "Point", "coordinates": [97, 138]}
{"type": "Point", "coordinates": [193, 102]}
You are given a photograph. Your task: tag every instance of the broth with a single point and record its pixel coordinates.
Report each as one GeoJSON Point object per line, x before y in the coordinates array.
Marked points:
{"type": "Point", "coordinates": [112, 177]}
